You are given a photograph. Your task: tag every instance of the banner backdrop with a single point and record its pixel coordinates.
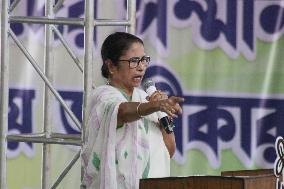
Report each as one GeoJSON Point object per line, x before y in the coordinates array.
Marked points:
{"type": "Point", "coordinates": [225, 57]}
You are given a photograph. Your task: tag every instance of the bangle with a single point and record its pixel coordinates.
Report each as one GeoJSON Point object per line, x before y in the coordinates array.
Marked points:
{"type": "Point", "coordinates": [137, 110]}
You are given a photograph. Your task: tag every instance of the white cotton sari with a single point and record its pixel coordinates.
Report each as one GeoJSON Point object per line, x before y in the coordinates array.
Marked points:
{"type": "Point", "coordinates": [117, 157]}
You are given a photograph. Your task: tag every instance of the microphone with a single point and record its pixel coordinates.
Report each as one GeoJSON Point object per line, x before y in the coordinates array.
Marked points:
{"type": "Point", "coordinates": [167, 123]}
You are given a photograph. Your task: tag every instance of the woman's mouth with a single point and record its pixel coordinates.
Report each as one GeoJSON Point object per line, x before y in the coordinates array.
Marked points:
{"type": "Point", "coordinates": [137, 78]}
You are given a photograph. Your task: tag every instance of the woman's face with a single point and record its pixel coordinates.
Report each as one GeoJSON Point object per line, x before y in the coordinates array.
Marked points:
{"type": "Point", "coordinates": [125, 77]}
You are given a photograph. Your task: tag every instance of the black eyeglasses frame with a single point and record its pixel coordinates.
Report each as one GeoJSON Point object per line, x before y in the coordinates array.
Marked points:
{"type": "Point", "coordinates": [137, 61]}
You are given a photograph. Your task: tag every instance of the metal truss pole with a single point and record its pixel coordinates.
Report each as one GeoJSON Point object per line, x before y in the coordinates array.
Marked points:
{"type": "Point", "coordinates": [87, 70]}
{"type": "Point", "coordinates": [4, 92]}
{"type": "Point", "coordinates": [88, 58]}
{"type": "Point", "coordinates": [131, 16]}
{"type": "Point", "coordinates": [48, 97]}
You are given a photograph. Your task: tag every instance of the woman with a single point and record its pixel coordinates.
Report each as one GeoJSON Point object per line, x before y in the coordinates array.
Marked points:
{"type": "Point", "coordinates": [124, 141]}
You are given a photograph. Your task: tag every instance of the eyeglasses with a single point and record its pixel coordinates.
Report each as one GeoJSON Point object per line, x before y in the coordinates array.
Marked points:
{"type": "Point", "coordinates": [135, 61]}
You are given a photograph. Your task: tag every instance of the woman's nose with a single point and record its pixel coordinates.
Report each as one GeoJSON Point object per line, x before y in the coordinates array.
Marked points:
{"type": "Point", "coordinates": [140, 66]}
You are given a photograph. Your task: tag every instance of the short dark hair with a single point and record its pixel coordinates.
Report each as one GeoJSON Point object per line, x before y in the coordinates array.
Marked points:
{"type": "Point", "coordinates": [114, 46]}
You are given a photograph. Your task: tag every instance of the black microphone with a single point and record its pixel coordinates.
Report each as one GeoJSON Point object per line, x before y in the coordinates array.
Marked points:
{"type": "Point", "coordinates": [167, 123]}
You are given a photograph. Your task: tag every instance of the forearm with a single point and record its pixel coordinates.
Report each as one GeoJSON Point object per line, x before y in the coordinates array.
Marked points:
{"type": "Point", "coordinates": [129, 112]}
{"type": "Point", "coordinates": [169, 140]}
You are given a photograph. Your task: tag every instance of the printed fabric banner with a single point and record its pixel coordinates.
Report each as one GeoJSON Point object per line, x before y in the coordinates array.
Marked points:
{"type": "Point", "coordinates": [225, 57]}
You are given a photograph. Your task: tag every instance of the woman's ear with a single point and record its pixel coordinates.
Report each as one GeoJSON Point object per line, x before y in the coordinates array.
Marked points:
{"type": "Point", "coordinates": [110, 66]}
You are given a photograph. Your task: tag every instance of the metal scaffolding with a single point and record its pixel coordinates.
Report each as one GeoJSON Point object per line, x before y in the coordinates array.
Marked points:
{"type": "Point", "coordinates": [50, 21]}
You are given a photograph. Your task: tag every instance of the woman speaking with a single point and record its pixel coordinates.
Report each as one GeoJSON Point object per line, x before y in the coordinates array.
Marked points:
{"type": "Point", "coordinates": [124, 140]}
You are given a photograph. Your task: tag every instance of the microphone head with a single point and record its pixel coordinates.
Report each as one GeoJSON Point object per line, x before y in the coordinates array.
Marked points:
{"type": "Point", "coordinates": [147, 83]}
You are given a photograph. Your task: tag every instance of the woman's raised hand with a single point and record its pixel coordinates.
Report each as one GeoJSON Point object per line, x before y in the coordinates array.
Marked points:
{"type": "Point", "coordinates": [169, 105]}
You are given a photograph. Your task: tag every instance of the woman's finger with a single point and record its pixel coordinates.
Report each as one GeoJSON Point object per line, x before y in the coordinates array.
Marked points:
{"type": "Point", "coordinates": [158, 95]}
{"type": "Point", "coordinates": [148, 98]}
{"type": "Point", "coordinates": [178, 108]}
{"type": "Point", "coordinates": [171, 113]}
{"type": "Point", "coordinates": [177, 99]}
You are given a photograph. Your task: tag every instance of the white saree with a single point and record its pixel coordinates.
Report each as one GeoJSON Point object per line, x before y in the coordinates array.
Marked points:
{"type": "Point", "coordinates": [117, 157]}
